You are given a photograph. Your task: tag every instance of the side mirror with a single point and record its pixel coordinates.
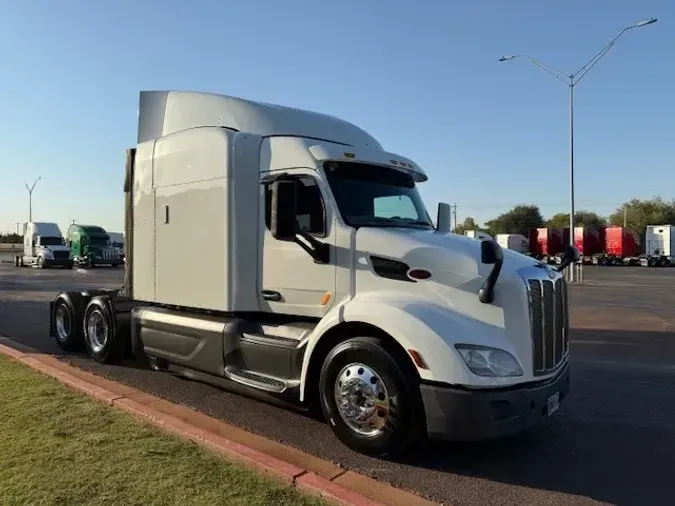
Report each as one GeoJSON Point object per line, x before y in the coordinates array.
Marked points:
{"type": "Point", "coordinates": [490, 252]}
{"type": "Point", "coordinates": [284, 212]}
{"type": "Point", "coordinates": [570, 255]}
{"type": "Point", "coordinates": [443, 217]}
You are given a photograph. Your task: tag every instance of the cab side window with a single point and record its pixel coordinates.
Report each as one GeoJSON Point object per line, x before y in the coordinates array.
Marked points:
{"type": "Point", "coordinates": [310, 205]}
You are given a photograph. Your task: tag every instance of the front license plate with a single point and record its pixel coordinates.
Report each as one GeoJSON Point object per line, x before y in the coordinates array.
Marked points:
{"type": "Point", "coordinates": [553, 403]}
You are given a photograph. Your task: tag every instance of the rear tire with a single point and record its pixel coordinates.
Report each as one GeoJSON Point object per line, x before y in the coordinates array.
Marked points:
{"type": "Point", "coordinates": [67, 314]}
{"type": "Point", "coordinates": [101, 340]}
{"type": "Point", "coordinates": [367, 370]}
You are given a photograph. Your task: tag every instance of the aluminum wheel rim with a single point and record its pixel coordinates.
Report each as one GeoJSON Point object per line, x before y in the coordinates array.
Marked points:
{"type": "Point", "coordinates": [97, 331]}
{"type": "Point", "coordinates": [62, 322]}
{"type": "Point", "coordinates": [362, 399]}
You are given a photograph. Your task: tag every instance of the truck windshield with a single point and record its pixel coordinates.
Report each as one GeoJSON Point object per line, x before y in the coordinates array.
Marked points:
{"type": "Point", "coordinates": [51, 241]}
{"type": "Point", "coordinates": [99, 240]}
{"type": "Point", "coordinates": [375, 196]}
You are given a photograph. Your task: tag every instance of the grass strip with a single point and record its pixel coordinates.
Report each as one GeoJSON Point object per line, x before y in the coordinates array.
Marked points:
{"type": "Point", "coordinates": [58, 446]}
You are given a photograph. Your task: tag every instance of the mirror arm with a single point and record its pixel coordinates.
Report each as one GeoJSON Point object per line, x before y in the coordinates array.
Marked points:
{"type": "Point", "coordinates": [318, 250]}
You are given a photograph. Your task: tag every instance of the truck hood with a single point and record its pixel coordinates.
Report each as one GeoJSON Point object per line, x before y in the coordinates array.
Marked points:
{"type": "Point", "coordinates": [459, 257]}
{"type": "Point", "coordinates": [457, 274]}
{"type": "Point", "coordinates": [54, 248]}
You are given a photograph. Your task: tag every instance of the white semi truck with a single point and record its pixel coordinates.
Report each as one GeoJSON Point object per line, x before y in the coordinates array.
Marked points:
{"type": "Point", "coordinates": [478, 235]}
{"type": "Point", "coordinates": [659, 246]}
{"type": "Point", "coordinates": [515, 242]}
{"type": "Point", "coordinates": [43, 246]}
{"type": "Point", "coordinates": [320, 280]}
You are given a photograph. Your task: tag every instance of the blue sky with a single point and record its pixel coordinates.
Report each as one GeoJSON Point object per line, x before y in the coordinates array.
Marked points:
{"type": "Point", "coordinates": [422, 77]}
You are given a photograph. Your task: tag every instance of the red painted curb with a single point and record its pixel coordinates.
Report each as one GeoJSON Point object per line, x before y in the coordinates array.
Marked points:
{"type": "Point", "coordinates": [314, 484]}
{"type": "Point", "coordinates": [284, 472]}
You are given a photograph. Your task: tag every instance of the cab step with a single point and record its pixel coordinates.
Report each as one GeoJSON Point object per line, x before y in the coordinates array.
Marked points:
{"type": "Point", "coordinates": [260, 381]}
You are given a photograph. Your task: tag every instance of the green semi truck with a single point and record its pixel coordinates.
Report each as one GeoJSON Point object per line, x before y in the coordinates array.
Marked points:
{"type": "Point", "coordinates": [90, 246]}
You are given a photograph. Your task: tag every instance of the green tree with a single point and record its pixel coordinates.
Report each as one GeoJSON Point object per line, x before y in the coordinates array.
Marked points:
{"type": "Point", "coordinates": [518, 220]}
{"type": "Point", "coordinates": [581, 218]}
{"type": "Point", "coordinates": [11, 238]}
{"type": "Point", "coordinates": [640, 213]}
{"type": "Point", "coordinates": [468, 224]}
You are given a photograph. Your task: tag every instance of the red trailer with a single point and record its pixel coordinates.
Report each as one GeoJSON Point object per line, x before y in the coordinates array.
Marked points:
{"type": "Point", "coordinates": [587, 240]}
{"type": "Point", "coordinates": [620, 245]}
{"type": "Point", "coordinates": [546, 243]}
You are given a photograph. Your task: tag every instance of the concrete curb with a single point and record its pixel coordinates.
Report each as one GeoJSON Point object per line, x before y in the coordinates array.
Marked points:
{"type": "Point", "coordinates": [287, 465]}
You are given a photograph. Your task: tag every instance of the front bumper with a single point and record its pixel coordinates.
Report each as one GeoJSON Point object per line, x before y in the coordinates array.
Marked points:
{"type": "Point", "coordinates": [460, 414]}
{"type": "Point", "coordinates": [59, 262]}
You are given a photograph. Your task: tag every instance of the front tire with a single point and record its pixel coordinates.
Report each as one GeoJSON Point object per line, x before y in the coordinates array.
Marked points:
{"type": "Point", "coordinates": [101, 340]}
{"type": "Point", "coordinates": [370, 397]}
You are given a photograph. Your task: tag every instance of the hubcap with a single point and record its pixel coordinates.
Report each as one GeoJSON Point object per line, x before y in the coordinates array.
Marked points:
{"type": "Point", "coordinates": [97, 330]}
{"type": "Point", "coordinates": [62, 323]}
{"type": "Point", "coordinates": [362, 399]}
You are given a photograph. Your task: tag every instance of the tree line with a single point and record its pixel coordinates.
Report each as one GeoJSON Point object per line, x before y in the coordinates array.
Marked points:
{"type": "Point", "coordinates": [521, 218]}
{"type": "Point", "coordinates": [11, 239]}
{"type": "Point", "coordinates": [638, 214]}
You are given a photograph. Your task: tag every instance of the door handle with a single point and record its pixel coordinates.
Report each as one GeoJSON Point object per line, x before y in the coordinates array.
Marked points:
{"type": "Point", "coordinates": [271, 295]}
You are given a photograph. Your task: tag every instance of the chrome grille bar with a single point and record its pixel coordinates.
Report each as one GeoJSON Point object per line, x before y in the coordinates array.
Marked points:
{"type": "Point", "coordinates": [549, 324]}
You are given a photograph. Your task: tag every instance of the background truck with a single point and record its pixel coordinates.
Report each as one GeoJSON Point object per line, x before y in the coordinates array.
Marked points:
{"type": "Point", "coordinates": [117, 242]}
{"type": "Point", "coordinates": [546, 243]}
{"type": "Point", "coordinates": [320, 281]}
{"type": "Point", "coordinates": [478, 235]}
{"type": "Point", "coordinates": [589, 241]}
{"type": "Point", "coordinates": [90, 246]}
{"type": "Point", "coordinates": [43, 246]}
{"type": "Point", "coordinates": [659, 246]}
{"type": "Point", "coordinates": [515, 242]}
{"type": "Point", "coordinates": [621, 246]}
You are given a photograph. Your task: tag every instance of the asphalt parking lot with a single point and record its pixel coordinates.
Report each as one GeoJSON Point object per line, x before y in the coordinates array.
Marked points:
{"type": "Point", "coordinates": [612, 441]}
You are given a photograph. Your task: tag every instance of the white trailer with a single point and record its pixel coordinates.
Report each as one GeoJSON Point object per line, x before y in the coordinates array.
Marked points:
{"type": "Point", "coordinates": [43, 246]}
{"type": "Point", "coordinates": [515, 242]}
{"type": "Point", "coordinates": [659, 246]}
{"type": "Point", "coordinates": [324, 283]}
{"type": "Point", "coordinates": [478, 235]}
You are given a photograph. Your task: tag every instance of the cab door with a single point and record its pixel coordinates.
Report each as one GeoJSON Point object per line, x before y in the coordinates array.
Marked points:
{"type": "Point", "coordinates": [291, 281]}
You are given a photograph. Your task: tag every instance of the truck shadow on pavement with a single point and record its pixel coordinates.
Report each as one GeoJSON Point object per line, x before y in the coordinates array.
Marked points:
{"type": "Point", "coordinates": [613, 440]}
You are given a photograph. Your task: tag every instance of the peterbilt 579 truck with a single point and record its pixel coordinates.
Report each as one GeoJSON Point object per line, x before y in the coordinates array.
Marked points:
{"type": "Point", "coordinates": [321, 280]}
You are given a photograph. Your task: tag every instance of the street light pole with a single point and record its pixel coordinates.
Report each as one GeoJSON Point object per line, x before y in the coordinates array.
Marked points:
{"type": "Point", "coordinates": [30, 198]}
{"type": "Point", "coordinates": [571, 80]}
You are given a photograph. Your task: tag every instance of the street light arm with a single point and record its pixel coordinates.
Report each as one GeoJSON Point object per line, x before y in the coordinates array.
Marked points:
{"type": "Point", "coordinates": [593, 62]}
{"type": "Point", "coordinates": [586, 67]}
{"type": "Point", "coordinates": [596, 57]}
{"type": "Point", "coordinates": [558, 74]}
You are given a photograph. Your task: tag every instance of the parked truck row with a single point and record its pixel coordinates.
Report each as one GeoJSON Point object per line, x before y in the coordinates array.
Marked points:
{"type": "Point", "coordinates": [607, 245]}
{"type": "Point", "coordinates": [596, 245]}
{"type": "Point", "coordinates": [84, 245]}
{"type": "Point", "coordinates": [325, 285]}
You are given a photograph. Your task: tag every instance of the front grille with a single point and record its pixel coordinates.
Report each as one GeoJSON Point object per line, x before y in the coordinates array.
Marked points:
{"type": "Point", "coordinates": [549, 324]}
{"type": "Point", "coordinates": [60, 255]}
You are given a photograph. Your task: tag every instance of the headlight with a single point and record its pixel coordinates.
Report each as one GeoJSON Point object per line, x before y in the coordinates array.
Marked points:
{"type": "Point", "coordinates": [486, 361]}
